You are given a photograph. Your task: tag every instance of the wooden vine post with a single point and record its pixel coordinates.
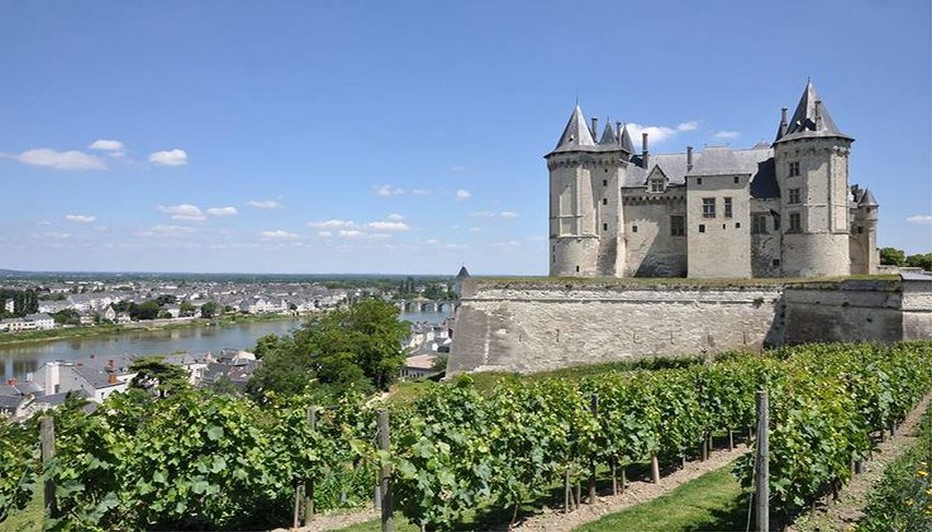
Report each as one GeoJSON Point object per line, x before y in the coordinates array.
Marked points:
{"type": "Point", "coordinates": [594, 407]}
{"type": "Point", "coordinates": [309, 483]}
{"type": "Point", "coordinates": [655, 468]}
{"type": "Point", "coordinates": [47, 444]}
{"type": "Point", "coordinates": [385, 484]}
{"type": "Point", "coordinates": [762, 463]}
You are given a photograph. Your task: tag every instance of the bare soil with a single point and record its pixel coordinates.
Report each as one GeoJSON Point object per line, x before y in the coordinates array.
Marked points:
{"type": "Point", "coordinates": [335, 521]}
{"type": "Point", "coordinates": [848, 510]}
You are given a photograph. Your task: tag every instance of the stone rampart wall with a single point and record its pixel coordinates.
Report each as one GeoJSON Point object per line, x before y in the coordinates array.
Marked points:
{"type": "Point", "coordinates": [538, 325]}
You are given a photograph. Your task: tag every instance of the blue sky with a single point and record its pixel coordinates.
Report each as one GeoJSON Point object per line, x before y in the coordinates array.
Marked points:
{"type": "Point", "coordinates": [407, 137]}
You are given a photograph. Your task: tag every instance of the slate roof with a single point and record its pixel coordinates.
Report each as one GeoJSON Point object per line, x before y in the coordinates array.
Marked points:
{"type": "Point", "coordinates": [577, 137]}
{"type": "Point", "coordinates": [757, 161]}
{"type": "Point", "coordinates": [806, 124]}
{"type": "Point", "coordinates": [626, 143]}
{"type": "Point", "coordinates": [608, 135]}
{"type": "Point", "coordinates": [867, 199]}
{"type": "Point", "coordinates": [463, 273]}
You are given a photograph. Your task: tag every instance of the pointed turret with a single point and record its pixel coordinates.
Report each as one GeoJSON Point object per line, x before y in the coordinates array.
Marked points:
{"type": "Point", "coordinates": [608, 135]}
{"type": "Point", "coordinates": [626, 143]}
{"type": "Point", "coordinates": [464, 273]}
{"type": "Point", "coordinates": [576, 135]}
{"type": "Point", "coordinates": [811, 119]}
{"type": "Point", "coordinates": [867, 199]}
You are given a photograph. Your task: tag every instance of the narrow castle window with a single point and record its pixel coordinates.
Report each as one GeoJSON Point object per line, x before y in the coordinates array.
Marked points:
{"type": "Point", "coordinates": [776, 263]}
{"type": "Point", "coordinates": [794, 169]}
{"type": "Point", "coordinates": [605, 227]}
{"type": "Point", "coordinates": [776, 222]}
{"type": "Point", "coordinates": [737, 180]}
{"type": "Point", "coordinates": [698, 180]}
{"type": "Point", "coordinates": [702, 228]}
{"type": "Point", "coordinates": [728, 210]}
{"type": "Point", "coordinates": [708, 207]}
{"type": "Point", "coordinates": [605, 181]}
{"type": "Point", "coordinates": [794, 196]}
{"type": "Point", "coordinates": [759, 224]}
{"type": "Point", "coordinates": [634, 229]}
{"type": "Point", "coordinates": [677, 226]}
{"type": "Point", "coordinates": [577, 268]}
{"type": "Point", "coordinates": [796, 225]}
{"type": "Point", "coordinates": [604, 201]}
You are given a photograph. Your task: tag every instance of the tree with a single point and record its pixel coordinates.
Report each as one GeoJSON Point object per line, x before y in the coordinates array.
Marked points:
{"type": "Point", "coordinates": [186, 309]}
{"type": "Point", "coordinates": [209, 309]}
{"type": "Point", "coordinates": [68, 316]}
{"type": "Point", "coordinates": [892, 256]}
{"type": "Point", "coordinates": [359, 346]}
{"type": "Point", "coordinates": [156, 376]}
{"type": "Point", "coordinates": [922, 260]}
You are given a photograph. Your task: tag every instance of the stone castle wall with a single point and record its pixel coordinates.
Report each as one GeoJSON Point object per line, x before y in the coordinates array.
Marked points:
{"type": "Point", "coordinates": [538, 325]}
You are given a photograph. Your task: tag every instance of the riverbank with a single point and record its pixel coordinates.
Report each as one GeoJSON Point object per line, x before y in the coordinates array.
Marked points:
{"type": "Point", "coordinates": [69, 333]}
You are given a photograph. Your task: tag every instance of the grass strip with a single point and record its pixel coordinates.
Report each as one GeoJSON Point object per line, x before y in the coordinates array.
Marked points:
{"type": "Point", "coordinates": [714, 501]}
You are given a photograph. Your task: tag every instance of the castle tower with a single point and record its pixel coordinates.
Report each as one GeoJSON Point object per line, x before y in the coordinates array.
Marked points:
{"type": "Point", "coordinates": [864, 235]}
{"type": "Point", "coordinates": [585, 201]}
{"type": "Point", "coordinates": [811, 159]}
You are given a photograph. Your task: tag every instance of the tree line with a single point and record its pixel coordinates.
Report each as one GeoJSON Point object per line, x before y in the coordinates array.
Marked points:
{"type": "Point", "coordinates": [897, 257]}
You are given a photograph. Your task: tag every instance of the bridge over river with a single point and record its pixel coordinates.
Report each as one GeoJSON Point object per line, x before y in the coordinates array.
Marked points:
{"type": "Point", "coordinates": [427, 306]}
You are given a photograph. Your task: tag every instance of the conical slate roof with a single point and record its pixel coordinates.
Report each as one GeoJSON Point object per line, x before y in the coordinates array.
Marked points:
{"type": "Point", "coordinates": [626, 143]}
{"type": "Point", "coordinates": [867, 199]}
{"type": "Point", "coordinates": [576, 135]}
{"type": "Point", "coordinates": [608, 134]}
{"type": "Point", "coordinates": [807, 122]}
{"type": "Point", "coordinates": [463, 273]}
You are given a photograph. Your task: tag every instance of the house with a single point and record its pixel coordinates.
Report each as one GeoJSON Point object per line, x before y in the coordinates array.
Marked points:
{"type": "Point", "coordinates": [42, 321]}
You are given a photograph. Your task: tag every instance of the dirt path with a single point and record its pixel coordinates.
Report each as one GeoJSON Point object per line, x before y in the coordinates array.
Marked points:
{"type": "Point", "coordinates": [335, 521]}
{"type": "Point", "coordinates": [848, 509]}
{"type": "Point", "coordinates": [636, 493]}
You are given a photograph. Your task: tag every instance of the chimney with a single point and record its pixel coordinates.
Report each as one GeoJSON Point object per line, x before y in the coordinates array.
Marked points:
{"type": "Point", "coordinates": [595, 128]}
{"type": "Point", "coordinates": [644, 152]}
{"type": "Point", "coordinates": [112, 364]}
{"type": "Point", "coordinates": [111, 379]}
{"type": "Point", "coordinates": [11, 382]}
{"type": "Point", "coordinates": [818, 115]}
{"type": "Point", "coordinates": [783, 124]}
{"type": "Point", "coordinates": [618, 132]}
{"type": "Point", "coordinates": [689, 158]}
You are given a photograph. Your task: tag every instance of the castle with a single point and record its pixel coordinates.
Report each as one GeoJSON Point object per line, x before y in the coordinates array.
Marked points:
{"type": "Point", "coordinates": [775, 210]}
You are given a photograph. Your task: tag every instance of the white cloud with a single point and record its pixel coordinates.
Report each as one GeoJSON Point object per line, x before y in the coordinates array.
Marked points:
{"type": "Point", "coordinates": [351, 233]}
{"type": "Point", "coordinates": [658, 134]}
{"type": "Point", "coordinates": [59, 160]}
{"type": "Point", "coordinates": [726, 134]}
{"type": "Point", "coordinates": [475, 229]}
{"type": "Point", "coordinates": [174, 157]}
{"type": "Point", "coordinates": [264, 204]}
{"type": "Point", "coordinates": [395, 217]}
{"type": "Point", "coordinates": [920, 219]}
{"type": "Point", "coordinates": [462, 194]}
{"type": "Point", "coordinates": [325, 234]}
{"type": "Point", "coordinates": [107, 145]}
{"type": "Point", "coordinates": [184, 211]}
{"type": "Point", "coordinates": [388, 226]}
{"type": "Point", "coordinates": [482, 214]}
{"type": "Point", "coordinates": [458, 168]}
{"type": "Point", "coordinates": [81, 218]}
{"type": "Point", "coordinates": [420, 192]}
{"type": "Point", "coordinates": [387, 190]}
{"type": "Point", "coordinates": [222, 211]}
{"type": "Point", "coordinates": [278, 235]}
{"type": "Point", "coordinates": [332, 224]}
{"type": "Point", "coordinates": [432, 242]}
{"type": "Point", "coordinates": [508, 214]}
{"type": "Point", "coordinates": [165, 231]}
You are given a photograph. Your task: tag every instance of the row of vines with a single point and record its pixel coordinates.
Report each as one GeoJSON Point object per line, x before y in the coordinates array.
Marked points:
{"type": "Point", "coordinates": [195, 460]}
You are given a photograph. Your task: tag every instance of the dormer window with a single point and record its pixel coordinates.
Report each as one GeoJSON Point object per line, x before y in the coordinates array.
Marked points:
{"type": "Point", "coordinates": [657, 185]}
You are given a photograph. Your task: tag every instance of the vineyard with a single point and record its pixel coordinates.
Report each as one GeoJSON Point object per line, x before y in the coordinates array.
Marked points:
{"type": "Point", "coordinates": [196, 460]}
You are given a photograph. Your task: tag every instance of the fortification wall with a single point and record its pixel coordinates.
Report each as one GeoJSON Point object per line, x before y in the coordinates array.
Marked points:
{"type": "Point", "coordinates": [542, 324]}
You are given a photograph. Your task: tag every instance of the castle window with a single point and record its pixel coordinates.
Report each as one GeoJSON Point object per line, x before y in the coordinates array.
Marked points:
{"type": "Point", "coordinates": [604, 201]}
{"type": "Point", "coordinates": [737, 225]}
{"type": "Point", "coordinates": [728, 209]}
{"type": "Point", "coordinates": [776, 222]}
{"type": "Point", "coordinates": [605, 181]}
{"type": "Point", "coordinates": [776, 263]}
{"type": "Point", "coordinates": [759, 224]}
{"type": "Point", "coordinates": [794, 169]}
{"type": "Point", "coordinates": [677, 226]}
{"type": "Point", "coordinates": [708, 207]}
{"type": "Point", "coordinates": [698, 180]}
{"type": "Point", "coordinates": [605, 227]}
{"type": "Point", "coordinates": [737, 180]}
{"type": "Point", "coordinates": [634, 229]}
{"type": "Point", "coordinates": [794, 196]}
{"type": "Point", "coordinates": [796, 225]}
{"type": "Point", "coordinates": [656, 185]}
{"type": "Point", "coordinates": [702, 228]}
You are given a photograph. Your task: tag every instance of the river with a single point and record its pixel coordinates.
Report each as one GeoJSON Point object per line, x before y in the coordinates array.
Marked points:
{"type": "Point", "coordinates": [18, 360]}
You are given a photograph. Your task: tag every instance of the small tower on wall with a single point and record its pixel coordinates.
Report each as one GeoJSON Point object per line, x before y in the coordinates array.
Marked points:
{"type": "Point", "coordinates": [864, 235]}
{"type": "Point", "coordinates": [811, 158]}
{"type": "Point", "coordinates": [585, 200]}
